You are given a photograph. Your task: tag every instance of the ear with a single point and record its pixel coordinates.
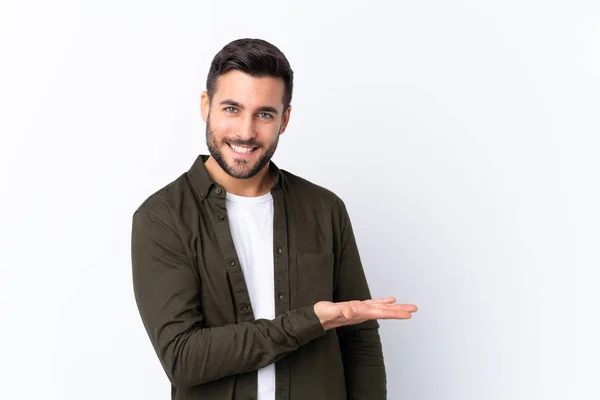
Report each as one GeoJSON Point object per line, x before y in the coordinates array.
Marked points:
{"type": "Point", "coordinates": [285, 119]}
{"type": "Point", "coordinates": [204, 105]}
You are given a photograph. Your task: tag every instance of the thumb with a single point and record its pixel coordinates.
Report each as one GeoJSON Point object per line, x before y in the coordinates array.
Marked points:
{"type": "Point", "coordinates": [347, 313]}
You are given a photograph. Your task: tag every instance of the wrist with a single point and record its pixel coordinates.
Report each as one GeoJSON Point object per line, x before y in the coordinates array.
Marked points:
{"type": "Point", "coordinates": [327, 322]}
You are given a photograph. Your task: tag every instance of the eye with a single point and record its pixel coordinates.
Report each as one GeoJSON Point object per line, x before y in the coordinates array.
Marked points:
{"type": "Point", "coordinates": [230, 109]}
{"type": "Point", "coordinates": [265, 115]}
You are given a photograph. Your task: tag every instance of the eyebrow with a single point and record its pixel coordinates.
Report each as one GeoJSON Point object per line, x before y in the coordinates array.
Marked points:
{"type": "Point", "coordinates": [234, 103]}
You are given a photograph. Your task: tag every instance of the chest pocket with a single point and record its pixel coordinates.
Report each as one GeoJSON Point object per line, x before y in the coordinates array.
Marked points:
{"type": "Point", "coordinates": [315, 277]}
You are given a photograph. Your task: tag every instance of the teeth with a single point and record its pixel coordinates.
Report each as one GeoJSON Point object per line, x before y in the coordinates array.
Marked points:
{"type": "Point", "coordinates": [243, 150]}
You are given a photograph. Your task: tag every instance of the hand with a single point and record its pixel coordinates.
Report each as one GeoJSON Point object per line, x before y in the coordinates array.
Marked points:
{"type": "Point", "coordinates": [334, 315]}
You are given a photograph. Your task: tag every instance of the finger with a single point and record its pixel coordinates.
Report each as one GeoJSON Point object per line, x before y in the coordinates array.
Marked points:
{"type": "Point", "coordinates": [384, 312]}
{"type": "Point", "coordinates": [410, 307]}
{"type": "Point", "coordinates": [384, 300]}
{"type": "Point", "coordinates": [404, 307]}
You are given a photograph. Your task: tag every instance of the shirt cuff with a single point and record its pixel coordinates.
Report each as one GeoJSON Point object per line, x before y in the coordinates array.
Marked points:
{"type": "Point", "coordinates": [306, 325]}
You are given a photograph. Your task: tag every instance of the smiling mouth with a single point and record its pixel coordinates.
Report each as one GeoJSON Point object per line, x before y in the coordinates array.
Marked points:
{"type": "Point", "coordinates": [241, 149]}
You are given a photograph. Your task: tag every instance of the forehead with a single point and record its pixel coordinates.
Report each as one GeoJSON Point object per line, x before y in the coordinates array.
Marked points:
{"type": "Point", "coordinates": [248, 90]}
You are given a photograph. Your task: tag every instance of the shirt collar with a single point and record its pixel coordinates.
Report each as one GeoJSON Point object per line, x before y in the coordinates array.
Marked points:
{"type": "Point", "coordinates": [205, 186]}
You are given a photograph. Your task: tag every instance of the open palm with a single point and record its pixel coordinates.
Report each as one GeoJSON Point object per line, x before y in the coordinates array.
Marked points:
{"type": "Point", "coordinates": [333, 315]}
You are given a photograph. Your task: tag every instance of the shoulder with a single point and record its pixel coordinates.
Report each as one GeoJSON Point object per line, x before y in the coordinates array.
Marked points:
{"type": "Point", "coordinates": [306, 190]}
{"type": "Point", "coordinates": [166, 200]}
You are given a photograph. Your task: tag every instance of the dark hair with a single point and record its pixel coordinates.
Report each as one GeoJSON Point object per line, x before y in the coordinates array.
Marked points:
{"type": "Point", "coordinates": [257, 58]}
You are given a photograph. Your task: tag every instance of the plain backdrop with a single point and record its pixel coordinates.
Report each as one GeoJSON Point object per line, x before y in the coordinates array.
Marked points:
{"type": "Point", "coordinates": [462, 135]}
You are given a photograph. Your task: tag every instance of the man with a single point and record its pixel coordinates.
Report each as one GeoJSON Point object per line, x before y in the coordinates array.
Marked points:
{"type": "Point", "coordinates": [248, 278]}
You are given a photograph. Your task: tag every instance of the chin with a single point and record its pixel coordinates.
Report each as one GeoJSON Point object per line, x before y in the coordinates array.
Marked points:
{"type": "Point", "coordinates": [240, 168]}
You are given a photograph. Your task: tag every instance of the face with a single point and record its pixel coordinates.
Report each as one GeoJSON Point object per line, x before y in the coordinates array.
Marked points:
{"type": "Point", "coordinates": [244, 119]}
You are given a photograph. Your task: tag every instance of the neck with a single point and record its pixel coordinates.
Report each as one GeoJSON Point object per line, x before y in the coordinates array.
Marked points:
{"type": "Point", "coordinates": [260, 184]}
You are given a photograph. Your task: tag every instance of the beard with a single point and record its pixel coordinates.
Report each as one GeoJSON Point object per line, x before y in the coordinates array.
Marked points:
{"type": "Point", "coordinates": [241, 169]}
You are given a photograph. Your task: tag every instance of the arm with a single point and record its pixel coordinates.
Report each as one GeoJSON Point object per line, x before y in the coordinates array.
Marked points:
{"type": "Point", "coordinates": [360, 344]}
{"type": "Point", "coordinates": [166, 291]}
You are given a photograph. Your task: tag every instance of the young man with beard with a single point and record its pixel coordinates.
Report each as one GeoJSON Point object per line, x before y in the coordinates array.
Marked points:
{"type": "Point", "coordinates": [248, 278]}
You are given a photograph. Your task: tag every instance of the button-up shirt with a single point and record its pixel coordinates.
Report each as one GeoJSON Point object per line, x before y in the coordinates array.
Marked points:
{"type": "Point", "coordinates": [194, 303]}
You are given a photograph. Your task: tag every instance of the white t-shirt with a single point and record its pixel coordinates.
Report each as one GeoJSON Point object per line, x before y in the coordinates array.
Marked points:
{"type": "Point", "coordinates": [251, 223]}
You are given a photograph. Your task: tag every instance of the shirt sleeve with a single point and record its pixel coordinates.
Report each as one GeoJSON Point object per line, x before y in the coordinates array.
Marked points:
{"type": "Point", "coordinates": [166, 291]}
{"type": "Point", "coordinates": [360, 344]}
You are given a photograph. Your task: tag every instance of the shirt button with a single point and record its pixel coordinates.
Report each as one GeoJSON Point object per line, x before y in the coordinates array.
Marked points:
{"type": "Point", "coordinates": [281, 296]}
{"type": "Point", "coordinates": [279, 250]}
{"type": "Point", "coordinates": [221, 217]}
{"type": "Point", "coordinates": [244, 307]}
{"type": "Point", "coordinates": [232, 263]}
{"type": "Point", "coordinates": [218, 190]}
{"type": "Point", "coordinates": [202, 194]}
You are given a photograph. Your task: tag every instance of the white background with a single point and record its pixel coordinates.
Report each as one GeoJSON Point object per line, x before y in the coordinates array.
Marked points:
{"type": "Point", "coordinates": [462, 135]}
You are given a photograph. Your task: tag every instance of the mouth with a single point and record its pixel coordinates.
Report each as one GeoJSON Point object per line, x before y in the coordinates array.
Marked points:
{"type": "Point", "coordinates": [242, 150]}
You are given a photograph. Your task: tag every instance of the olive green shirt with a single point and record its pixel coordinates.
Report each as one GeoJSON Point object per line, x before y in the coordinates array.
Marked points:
{"type": "Point", "coordinates": [194, 302]}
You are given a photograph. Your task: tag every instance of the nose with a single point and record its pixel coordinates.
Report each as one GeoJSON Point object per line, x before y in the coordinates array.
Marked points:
{"type": "Point", "coordinates": [246, 129]}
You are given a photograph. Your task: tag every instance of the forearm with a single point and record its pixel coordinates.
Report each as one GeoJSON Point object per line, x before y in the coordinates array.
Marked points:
{"type": "Point", "coordinates": [205, 354]}
{"type": "Point", "coordinates": [166, 290]}
{"type": "Point", "coordinates": [364, 366]}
